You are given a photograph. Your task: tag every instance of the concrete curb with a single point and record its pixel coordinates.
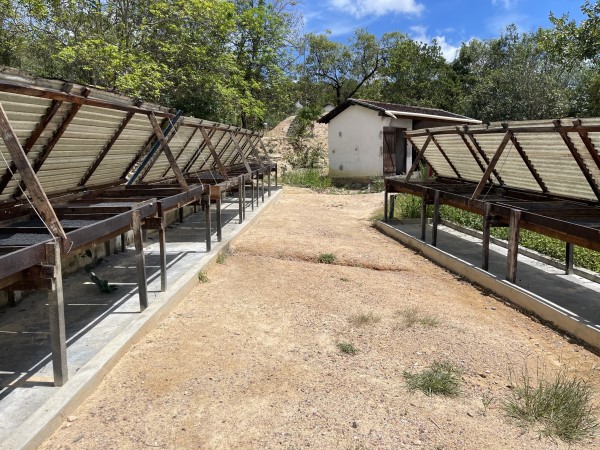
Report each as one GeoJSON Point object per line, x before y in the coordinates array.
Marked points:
{"type": "Point", "coordinates": [41, 424]}
{"type": "Point", "coordinates": [546, 310]}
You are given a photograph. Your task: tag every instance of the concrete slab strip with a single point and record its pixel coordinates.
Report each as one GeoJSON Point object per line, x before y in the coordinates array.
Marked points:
{"type": "Point", "coordinates": [541, 307]}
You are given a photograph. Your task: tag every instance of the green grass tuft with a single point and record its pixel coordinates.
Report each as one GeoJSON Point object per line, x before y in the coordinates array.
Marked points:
{"type": "Point", "coordinates": [326, 258]}
{"type": "Point", "coordinates": [308, 178]}
{"type": "Point", "coordinates": [563, 406]}
{"type": "Point", "coordinates": [412, 317]}
{"type": "Point", "coordinates": [442, 378]}
{"type": "Point", "coordinates": [202, 277]}
{"type": "Point", "coordinates": [347, 348]}
{"type": "Point", "coordinates": [364, 319]}
{"type": "Point", "coordinates": [221, 258]}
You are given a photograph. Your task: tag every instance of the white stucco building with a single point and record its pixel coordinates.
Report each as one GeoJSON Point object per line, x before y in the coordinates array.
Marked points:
{"type": "Point", "coordinates": [365, 137]}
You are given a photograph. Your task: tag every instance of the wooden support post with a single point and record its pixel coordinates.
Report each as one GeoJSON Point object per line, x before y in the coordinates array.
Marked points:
{"type": "Point", "coordinates": [38, 196]}
{"type": "Point", "coordinates": [436, 217]}
{"type": "Point", "coordinates": [180, 213]}
{"type": "Point", "coordinates": [10, 298]}
{"type": "Point", "coordinates": [124, 242]}
{"type": "Point", "coordinates": [424, 215]}
{"type": "Point", "coordinates": [243, 196]}
{"type": "Point", "coordinates": [162, 242]}
{"type": "Point", "coordinates": [252, 193]}
{"type": "Point", "coordinates": [392, 205]}
{"type": "Point", "coordinates": [240, 150]}
{"type": "Point", "coordinates": [569, 258]}
{"type": "Point", "coordinates": [219, 220]}
{"type": "Point", "coordinates": [269, 180]}
{"type": "Point", "coordinates": [276, 172]}
{"type": "Point", "coordinates": [136, 225]}
{"type": "Point", "coordinates": [385, 205]}
{"type": "Point", "coordinates": [240, 201]}
{"type": "Point", "coordinates": [262, 184]}
{"type": "Point", "coordinates": [257, 190]}
{"type": "Point", "coordinates": [513, 245]}
{"type": "Point", "coordinates": [109, 247]}
{"type": "Point", "coordinates": [487, 222]}
{"type": "Point", "coordinates": [56, 314]}
{"type": "Point", "coordinates": [207, 221]}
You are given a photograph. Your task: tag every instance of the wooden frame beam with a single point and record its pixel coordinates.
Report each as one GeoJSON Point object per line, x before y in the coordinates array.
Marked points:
{"type": "Point", "coordinates": [415, 163]}
{"type": "Point", "coordinates": [439, 147]}
{"type": "Point", "coordinates": [185, 145]}
{"type": "Point", "coordinates": [213, 152]}
{"type": "Point", "coordinates": [190, 164]}
{"type": "Point", "coordinates": [580, 162]}
{"type": "Point", "coordinates": [167, 150]}
{"type": "Point", "coordinates": [240, 151]}
{"type": "Point", "coordinates": [483, 154]}
{"type": "Point", "coordinates": [587, 142]}
{"type": "Point", "coordinates": [38, 196]}
{"type": "Point", "coordinates": [492, 165]}
{"type": "Point", "coordinates": [173, 131]}
{"type": "Point", "coordinates": [471, 150]}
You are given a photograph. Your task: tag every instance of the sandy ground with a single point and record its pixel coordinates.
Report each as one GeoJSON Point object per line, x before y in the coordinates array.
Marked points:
{"type": "Point", "coordinates": [250, 359]}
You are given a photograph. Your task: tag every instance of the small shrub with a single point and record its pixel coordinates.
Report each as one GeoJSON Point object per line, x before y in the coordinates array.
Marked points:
{"type": "Point", "coordinates": [308, 178]}
{"type": "Point", "coordinates": [202, 277]}
{"type": "Point", "coordinates": [442, 378]}
{"type": "Point", "coordinates": [347, 348]}
{"type": "Point", "coordinates": [412, 317]}
{"type": "Point", "coordinates": [221, 258]}
{"type": "Point", "coordinates": [361, 320]}
{"type": "Point", "coordinates": [326, 258]}
{"type": "Point", "coordinates": [562, 405]}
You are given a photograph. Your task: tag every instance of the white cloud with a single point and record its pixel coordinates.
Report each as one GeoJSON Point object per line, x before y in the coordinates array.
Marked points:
{"type": "Point", "coordinates": [449, 51]}
{"type": "Point", "coordinates": [508, 4]}
{"type": "Point", "coordinates": [362, 8]}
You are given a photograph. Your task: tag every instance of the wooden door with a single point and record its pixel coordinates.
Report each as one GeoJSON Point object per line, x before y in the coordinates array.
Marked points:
{"type": "Point", "coordinates": [389, 151]}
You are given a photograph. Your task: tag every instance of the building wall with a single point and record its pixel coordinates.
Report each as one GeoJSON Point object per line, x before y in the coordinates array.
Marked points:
{"type": "Point", "coordinates": [356, 142]}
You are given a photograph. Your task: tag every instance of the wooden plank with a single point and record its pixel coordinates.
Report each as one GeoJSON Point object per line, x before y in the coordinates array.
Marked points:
{"type": "Point", "coordinates": [56, 315]}
{"type": "Point", "coordinates": [213, 152]}
{"type": "Point", "coordinates": [162, 242]}
{"type": "Point", "coordinates": [45, 152]}
{"type": "Point", "coordinates": [219, 220]}
{"type": "Point", "coordinates": [223, 150]}
{"type": "Point", "coordinates": [38, 196]}
{"type": "Point", "coordinates": [51, 94]}
{"type": "Point", "coordinates": [492, 165]}
{"type": "Point", "coordinates": [106, 149]}
{"type": "Point", "coordinates": [136, 225]}
{"type": "Point", "coordinates": [580, 162]}
{"type": "Point", "coordinates": [415, 163]}
{"type": "Point", "coordinates": [172, 131]}
{"type": "Point", "coordinates": [254, 152]}
{"type": "Point", "coordinates": [513, 245]}
{"type": "Point", "coordinates": [167, 150]}
{"type": "Point", "coordinates": [471, 149]}
{"type": "Point", "coordinates": [240, 201]}
{"type": "Point", "coordinates": [143, 151]}
{"type": "Point", "coordinates": [528, 163]}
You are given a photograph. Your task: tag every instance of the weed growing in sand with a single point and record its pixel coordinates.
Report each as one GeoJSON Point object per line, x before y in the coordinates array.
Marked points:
{"type": "Point", "coordinates": [442, 378]}
{"type": "Point", "coordinates": [347, 348]}
{"type": "Point", "coordinates": [202, 277]}
{"type": "Point", "coordinates": [326, 258]}
{"type": "Point", "coordinates": [361, 320]}
{"type": "Point", "coordinates": [221, 258]}
{"type": "Point", "coordinates": [562, 405]}
{"type": "Point", "coordinates": [412, 317]}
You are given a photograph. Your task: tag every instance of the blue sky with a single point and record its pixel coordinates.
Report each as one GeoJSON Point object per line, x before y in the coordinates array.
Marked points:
{"type": "Point", "coordinates": [451, 22]}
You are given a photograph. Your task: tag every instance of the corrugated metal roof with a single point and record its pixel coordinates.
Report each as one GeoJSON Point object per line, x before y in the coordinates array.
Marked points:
{"type": "Point", "coordinates": [558, 157]}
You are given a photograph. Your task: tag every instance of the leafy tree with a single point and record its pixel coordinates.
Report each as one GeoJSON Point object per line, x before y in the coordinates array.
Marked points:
{"type": "Point", "coordinates": [511, 78]}
{"type": "Point", "coordinates": [343, 67]}
{"type": "Point", "coordinates": [417, 74]}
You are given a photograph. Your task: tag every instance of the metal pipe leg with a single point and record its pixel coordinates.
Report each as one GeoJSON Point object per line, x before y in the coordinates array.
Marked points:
{"type": "Point", "coordinates": [140, 261]}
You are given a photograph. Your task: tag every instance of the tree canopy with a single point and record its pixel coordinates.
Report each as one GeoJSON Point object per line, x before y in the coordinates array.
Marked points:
{"type": "Point", "coordinates": [247, 62]}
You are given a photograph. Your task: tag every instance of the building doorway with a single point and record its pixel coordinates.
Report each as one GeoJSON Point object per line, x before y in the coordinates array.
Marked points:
{"type": "Point", "coordinates": [394, 151]}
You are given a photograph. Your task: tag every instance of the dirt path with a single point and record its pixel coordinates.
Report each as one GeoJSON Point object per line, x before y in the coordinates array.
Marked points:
{"type": "Point", "coordinates": [249, 360]}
